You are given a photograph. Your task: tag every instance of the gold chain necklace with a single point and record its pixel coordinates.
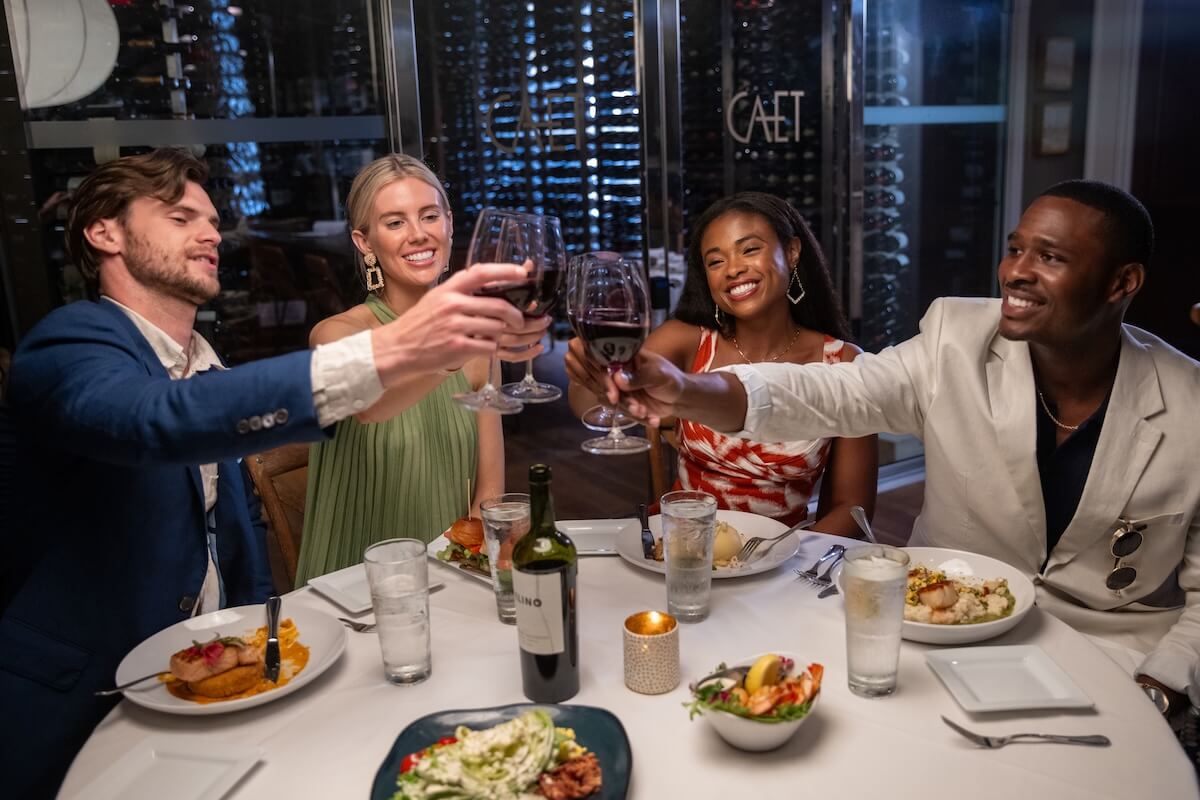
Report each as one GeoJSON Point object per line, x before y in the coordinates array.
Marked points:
{"type": "Point", "coordinates": [776, 357]}
{"type": "Point", "coordinates": [1053, 418]}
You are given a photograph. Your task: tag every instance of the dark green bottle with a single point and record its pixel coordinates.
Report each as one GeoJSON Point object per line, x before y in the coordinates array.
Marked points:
{"type": "Point", "coordinates": [544, 569]}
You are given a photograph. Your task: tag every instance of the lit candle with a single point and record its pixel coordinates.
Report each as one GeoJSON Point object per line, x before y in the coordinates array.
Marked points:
{"type": "Point", "coordinates": [651, 652]}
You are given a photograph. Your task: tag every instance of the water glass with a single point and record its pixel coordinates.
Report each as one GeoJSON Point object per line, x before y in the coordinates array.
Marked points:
{"type": "Point", "coordinates": [688, 526]}
{"type": "Point", "coordinates": [874, 579]}
{"type": "Point", "coordinates": [397, 572]}
{"type": "Point", "coordinates": [505, 520]}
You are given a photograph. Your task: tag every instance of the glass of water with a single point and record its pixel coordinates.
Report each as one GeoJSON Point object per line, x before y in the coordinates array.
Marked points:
{"type": "Point", "coordinates": [688, 526]}
{"type": "Point", "coordinates": [398, 575]}
{"type": "Point", "coordinates": [505, 520]}
{"type": "Point", "coordinates": [874, 579]}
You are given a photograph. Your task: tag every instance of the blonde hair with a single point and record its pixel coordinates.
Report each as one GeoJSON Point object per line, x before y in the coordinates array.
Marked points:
{"type": "Point", "coordinates": [369, 182]}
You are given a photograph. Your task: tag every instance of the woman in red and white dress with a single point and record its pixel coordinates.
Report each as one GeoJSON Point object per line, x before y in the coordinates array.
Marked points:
{"type": "Point", "coordinates": [757, 290]}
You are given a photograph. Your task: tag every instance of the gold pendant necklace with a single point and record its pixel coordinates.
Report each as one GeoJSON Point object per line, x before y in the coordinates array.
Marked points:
{"type": "Point", "coordinates": [1053, 418]}
{"type": "Point", "coordinates": [776, 357]}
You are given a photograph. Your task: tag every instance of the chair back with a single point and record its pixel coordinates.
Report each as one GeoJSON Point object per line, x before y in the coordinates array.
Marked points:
{"type": "Point", "coordinates": [281, 479]}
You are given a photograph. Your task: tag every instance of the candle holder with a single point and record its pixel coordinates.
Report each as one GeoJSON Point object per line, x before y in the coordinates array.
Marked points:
{"type": "Point", "coordinates": [651, 652]}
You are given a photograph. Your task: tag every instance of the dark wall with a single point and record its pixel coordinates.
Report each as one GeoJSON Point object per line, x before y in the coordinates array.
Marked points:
{"type": "Point", "coordinates": [1166, 168]}
{"type": "Point", "coordinates": [1062, 18]}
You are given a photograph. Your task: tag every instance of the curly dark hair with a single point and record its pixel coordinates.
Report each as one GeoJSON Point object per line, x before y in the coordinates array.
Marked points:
{"type": "Point", "coordinates": [820, 309]}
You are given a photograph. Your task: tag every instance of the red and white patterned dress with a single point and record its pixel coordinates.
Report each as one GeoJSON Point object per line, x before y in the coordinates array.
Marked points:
{"type": "Point", "coordinates": [775, 479]}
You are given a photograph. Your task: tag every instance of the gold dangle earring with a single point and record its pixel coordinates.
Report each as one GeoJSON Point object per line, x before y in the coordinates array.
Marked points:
{"type": "Point", "coordinates": [374, 273]}
{"type": "Point", "coordinates": [799, 286]}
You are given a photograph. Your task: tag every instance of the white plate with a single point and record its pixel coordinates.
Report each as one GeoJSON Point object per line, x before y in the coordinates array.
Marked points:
{"type": "Point", "coordinates": [1005, 678]}
{"type": "Point", "coordinates": [322, 634]}
{"type": "Point", "coordinates": [596, 537]}
{"type": "Point", "coordinates": [346, 587]}
{"type": "Point", "coordinates": [441, 543]}
{"type": "Point", "coordinates": [629, 543]}
{"type": "Point", "coordinates": [193, 768]}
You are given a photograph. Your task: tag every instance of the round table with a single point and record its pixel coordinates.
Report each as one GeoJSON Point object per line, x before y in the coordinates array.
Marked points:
{"type": "Point", "coordinates": [328, 739]}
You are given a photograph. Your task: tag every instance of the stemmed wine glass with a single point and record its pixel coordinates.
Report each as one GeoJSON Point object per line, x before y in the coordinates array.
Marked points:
{"type": "Point", "coordinates": [505, 237]}
{"type": "Point", "coordinates": [554, 259]}
{"type": "Point", "coordinates": [612, 317]}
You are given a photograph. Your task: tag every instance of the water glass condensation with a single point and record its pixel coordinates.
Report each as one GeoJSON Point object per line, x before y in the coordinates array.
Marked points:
{"type": "Point", "coordinates": [688, 525]}
{"type": "Point", "coordinates": [874, 579]}
{"type": "Point", "coordinates": [397, 572]}
{"type": "Point", "coordinates": [505, 520]}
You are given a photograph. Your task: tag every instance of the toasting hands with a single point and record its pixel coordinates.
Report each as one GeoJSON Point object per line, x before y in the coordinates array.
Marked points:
{"type": "Point", "coordinates": [450, 326]}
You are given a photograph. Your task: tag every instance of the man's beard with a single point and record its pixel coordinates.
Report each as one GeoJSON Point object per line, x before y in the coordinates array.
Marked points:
{"type": "Point", "coordinates": [154, 268]}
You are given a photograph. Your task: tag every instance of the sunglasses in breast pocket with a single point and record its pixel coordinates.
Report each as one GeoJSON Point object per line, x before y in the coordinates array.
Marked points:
{"type": "Point", "coordinates": [1126, 540]}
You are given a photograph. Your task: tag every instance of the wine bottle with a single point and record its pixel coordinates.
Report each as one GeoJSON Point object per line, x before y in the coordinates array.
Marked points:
{"type": "Point", "coordinates": [544, 569]}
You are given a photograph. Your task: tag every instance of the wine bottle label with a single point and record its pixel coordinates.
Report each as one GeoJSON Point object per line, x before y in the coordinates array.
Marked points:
{"type": "Point", "coordinates": [539, 612]}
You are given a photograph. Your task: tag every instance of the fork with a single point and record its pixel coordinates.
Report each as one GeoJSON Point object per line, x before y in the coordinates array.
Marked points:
{"type": "Point", "coordinates": [825, 579]}
{"type": "Point", "coordinates": [368, 627]}
{"type": "Point", "coordinates": [993, 742]}
{"type": "Point", "coordinates": [753, 543]}
{"type": "Point", "coordinates": [834, 551]}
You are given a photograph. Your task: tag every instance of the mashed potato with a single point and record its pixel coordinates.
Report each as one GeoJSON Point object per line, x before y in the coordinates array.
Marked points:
{"type": "Point", "coordinates": [726, 544]}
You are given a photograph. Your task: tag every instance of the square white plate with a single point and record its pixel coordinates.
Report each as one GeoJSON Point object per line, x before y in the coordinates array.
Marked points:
{"type": "Point", "coordinates": [595, 537]}
{"type": "Point", "coordinates": [346, 587]}
{"type": "Point", "coordinates": [193, 768]}
{"type": "Point", "coordinates": [1005, 678]}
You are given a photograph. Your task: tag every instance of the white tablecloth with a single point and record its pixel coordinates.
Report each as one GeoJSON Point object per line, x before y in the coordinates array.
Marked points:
{"type": "Point", "coordinates": [328, 739]}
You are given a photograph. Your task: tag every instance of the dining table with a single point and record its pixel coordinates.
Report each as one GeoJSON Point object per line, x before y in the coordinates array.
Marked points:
{"type": "Point", "coordinates": [329, 739]}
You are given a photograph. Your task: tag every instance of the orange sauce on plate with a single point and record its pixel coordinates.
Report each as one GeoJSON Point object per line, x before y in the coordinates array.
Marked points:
{"type": "Point", "coordinates": [293, 657]}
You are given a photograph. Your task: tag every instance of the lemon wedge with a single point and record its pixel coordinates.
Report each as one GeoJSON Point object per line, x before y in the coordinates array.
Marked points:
{"type": "Point", "coordinates": [765, 672]}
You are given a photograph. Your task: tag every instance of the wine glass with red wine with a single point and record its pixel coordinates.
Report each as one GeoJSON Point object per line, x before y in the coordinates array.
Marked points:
{"type": "Point", "coordinates": [612, 317]}
{"type": "Point", "coordinates": [505, 237]}
{"type": "Point", "coordinates": [554, 262]}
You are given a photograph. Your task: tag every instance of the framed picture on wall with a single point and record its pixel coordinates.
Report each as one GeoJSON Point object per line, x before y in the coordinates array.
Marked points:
{"type": "Point", "coordinates": [1053, 136]}
{"type": "Point", "coordinates": [1058, 64]}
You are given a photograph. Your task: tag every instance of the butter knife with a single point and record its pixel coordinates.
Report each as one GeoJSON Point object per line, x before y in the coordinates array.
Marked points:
{"type": "Point", "coordinates": [647, 536]}
{"type": "Point", "coordinates": [272, 655]}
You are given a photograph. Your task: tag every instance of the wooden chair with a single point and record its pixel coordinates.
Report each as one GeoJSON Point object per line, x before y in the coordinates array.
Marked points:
{"type": "Point", "coordinates": [281, 479]}
{"type": "Point", "coordinates": [662, 459]}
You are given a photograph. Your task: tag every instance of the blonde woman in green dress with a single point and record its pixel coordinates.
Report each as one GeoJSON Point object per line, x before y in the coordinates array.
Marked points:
{"type": "Point", "coordinates": [402, 467]}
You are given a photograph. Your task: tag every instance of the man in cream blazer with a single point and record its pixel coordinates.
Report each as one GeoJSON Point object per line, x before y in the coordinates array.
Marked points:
{"type": "Point", "coordinates": [1045, 387]}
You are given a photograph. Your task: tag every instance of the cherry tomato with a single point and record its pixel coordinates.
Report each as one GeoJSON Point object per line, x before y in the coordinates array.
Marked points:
{"type": "Point", "coordinates": [410, 761]}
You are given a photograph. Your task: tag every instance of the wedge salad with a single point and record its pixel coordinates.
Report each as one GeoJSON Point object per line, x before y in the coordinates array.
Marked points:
{"type": "Point", "coordinates": [525, 758]}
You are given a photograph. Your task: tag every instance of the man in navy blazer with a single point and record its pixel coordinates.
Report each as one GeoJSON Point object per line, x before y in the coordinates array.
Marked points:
{"type": "Point", "coordinates": [135, 510]}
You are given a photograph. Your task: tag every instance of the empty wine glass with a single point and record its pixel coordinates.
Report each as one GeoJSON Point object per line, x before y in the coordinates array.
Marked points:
{"type": "Point", "coordinates": [528, 389]}
{"type": "Point", "coordinates": [612, 317]}
{"type": "Point", "coordinates": [505, 237]}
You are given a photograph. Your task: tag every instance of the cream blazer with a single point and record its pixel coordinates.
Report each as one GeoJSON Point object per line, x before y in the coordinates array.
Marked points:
{"type": "Point", "coordinates": [968, 394]}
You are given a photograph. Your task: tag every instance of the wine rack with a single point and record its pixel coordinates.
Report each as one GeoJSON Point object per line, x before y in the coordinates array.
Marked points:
{"type": "Point", "coordinates": [539, 116]}
{"type": "Point", "coordinates": [757, 52]}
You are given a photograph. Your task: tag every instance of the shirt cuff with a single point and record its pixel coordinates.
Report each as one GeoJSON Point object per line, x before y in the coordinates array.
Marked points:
{"type": "Point", "coordinates": [344, 378]}
{"type": "Point", "coordinates": [758, 398]}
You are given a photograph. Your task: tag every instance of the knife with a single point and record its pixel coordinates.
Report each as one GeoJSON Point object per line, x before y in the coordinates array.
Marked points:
{"type": "Point", "coordinates": [647, 536]}
{"type": "Point", "coordinates": [272, 657]}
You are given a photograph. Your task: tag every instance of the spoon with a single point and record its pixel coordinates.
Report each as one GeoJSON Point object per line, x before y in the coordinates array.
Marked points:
{"type": "Point", "coordinates": [860, 516]}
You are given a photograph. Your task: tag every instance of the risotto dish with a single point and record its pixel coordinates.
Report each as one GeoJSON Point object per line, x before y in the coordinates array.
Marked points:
{"type": "Point", "coordinates": [935, 598]}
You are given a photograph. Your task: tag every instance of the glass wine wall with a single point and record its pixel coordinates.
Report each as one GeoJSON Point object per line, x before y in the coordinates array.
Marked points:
{"type": "Point", "coordinates": [534, 106]}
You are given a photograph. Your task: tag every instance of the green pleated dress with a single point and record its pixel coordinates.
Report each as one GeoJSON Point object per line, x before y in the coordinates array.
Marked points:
{"type": "Point", "coordinates": [406, 477]}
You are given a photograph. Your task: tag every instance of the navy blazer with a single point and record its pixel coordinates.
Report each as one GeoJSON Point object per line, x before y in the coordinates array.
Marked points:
{"type": "Point", "coordinates": [110, 543]}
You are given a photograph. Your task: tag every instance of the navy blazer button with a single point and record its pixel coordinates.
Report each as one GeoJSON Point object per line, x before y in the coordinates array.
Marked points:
{"type": "Point", "coordinates": [268, 421]}
{"type": "Point", "coordinates": [281, 416]}
{"type": "Point", "coordinates": [243, 426]}
{"type": "Point", "coordinates": [255, 422]}
{"type": "Point", "coordinates": [187, 603]}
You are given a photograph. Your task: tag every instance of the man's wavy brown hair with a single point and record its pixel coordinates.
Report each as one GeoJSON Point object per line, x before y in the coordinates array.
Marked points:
{"type": "Point", "coordinates": [106, 194]}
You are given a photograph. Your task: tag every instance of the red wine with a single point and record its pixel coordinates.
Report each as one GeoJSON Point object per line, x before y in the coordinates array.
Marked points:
{"type": "Point", "coordinates": [544, 572]}
{"type": "Point", "coordinates": [546, 295]}
{"type": "Point", "coordinates": [519, 294]}
{"type": "Point", "coordinates": [611, 343]}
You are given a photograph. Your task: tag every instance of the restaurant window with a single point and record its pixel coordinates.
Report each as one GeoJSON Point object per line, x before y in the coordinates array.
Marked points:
{"type": "Point", "coordinates": [281, 98]}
